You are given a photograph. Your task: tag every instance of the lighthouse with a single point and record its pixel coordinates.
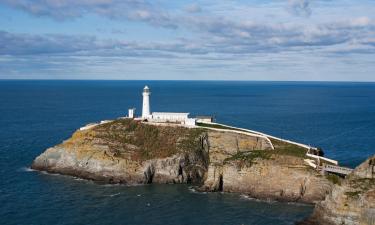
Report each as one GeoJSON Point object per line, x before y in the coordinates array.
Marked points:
{"type": "Point", "coordinates": [146, 103]}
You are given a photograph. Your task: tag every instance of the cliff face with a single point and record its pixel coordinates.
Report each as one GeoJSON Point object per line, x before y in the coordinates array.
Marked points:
{"type": "Point", "coordinates": [351, 202]}
{"type": "Point", "coordinates": [127, 151]}
{"type": "Point", "coordinates": [278, 174]}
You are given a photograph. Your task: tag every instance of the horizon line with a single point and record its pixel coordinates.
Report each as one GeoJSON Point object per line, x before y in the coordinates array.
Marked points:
{"type": "Point", "coordinates": [184, 80]}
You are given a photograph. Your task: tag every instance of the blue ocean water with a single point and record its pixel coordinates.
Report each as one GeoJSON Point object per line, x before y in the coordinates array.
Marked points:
{"type": "Point", "coordinates": [34, 115]}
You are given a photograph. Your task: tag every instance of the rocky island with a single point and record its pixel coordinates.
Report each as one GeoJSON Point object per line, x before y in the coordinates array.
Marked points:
{"type": "Point", "coordinates": [172, 148]}
{"type": "Point", "coordinates": [133, 152]}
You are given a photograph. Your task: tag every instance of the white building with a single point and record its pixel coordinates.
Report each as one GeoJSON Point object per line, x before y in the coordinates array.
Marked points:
{"type": "Point", "coordinates": [131, 113]}
{"type": "Point", "coordinates": [169, 117]}
{"type": "Point", "coordinates": [205, 119]}
{"type": "Point", "coordinates": [163, 117]}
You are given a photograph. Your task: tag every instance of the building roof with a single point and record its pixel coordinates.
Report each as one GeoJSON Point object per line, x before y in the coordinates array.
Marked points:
{"type": "Point", "coordinates": [170, 113]}
{"type": "Point", "coordinates": [205, 117]}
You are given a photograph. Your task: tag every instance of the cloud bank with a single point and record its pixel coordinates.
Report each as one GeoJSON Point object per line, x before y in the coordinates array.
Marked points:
{"type": "Point", "coordinates": [205, 39]}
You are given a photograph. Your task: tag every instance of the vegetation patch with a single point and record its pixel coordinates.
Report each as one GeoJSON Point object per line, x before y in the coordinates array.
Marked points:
{"type": "Point", "coordinates": [284, 148]}
{"type": "Point", "coordinates": [335, 179]}
{"type": "Point", "coordinates": [248, 158]}
{"type": "Point", "coordinates": [191, 140]}
{"type": "Point", "coordinates": [363, 184]}
{"type": "Point", "coordinates": [352, 194]}
{"type": "Point", "coordinates": [281, 147]}
{"type": "Point", "coordinates": [360, 185]}
{"type": "Point", "coordinates": [140, 141]}
{"type": "Point", "coordinates": [219, 126]}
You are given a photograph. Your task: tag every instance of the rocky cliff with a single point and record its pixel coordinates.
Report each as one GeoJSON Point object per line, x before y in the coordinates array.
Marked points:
{"type": "Point", "coordinates": [278, 174]}
{"type": "Point", "coordinates": [352, 202]}
{"type": "Point", "coordinates": [131, 152]}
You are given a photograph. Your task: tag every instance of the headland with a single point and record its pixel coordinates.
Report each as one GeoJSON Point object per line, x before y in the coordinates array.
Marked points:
{"type": "Point", "coordinates": [172, 148]}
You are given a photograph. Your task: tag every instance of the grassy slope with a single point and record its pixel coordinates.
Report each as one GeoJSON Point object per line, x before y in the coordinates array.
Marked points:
{"type": "Point", "coordinates": [281, 148]}
{"type": "Point", "coordinates": [146, 141]}
{"type": "Point", "coordinates": [128, 137]}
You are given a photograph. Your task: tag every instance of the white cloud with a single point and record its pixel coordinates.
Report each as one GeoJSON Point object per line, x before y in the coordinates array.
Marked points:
{"type": "Point", "coordinates": [224, 35]}
{"type": "Point", "coordinates": [138, 10]}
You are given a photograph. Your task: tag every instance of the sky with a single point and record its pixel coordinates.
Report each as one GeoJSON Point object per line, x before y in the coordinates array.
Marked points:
{"type": "Point", "coordinates": [282, 40]}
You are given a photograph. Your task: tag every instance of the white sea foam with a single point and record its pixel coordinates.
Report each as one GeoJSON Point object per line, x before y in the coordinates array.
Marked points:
{"type": "Point", "coordinates": [298, 204]}
{"type": "Point", "coordinates": [111, 185]}
{"type": "Point", "coordinates": [246, 197]}
{"type": "Point", "coordinates": [112, 195]}
{"type": "Point", "coordinates": [193, 190]}
{"type": "Point", "coordinates": [26, 169]}
{"type": "Point", "coordinates": [125, 185]}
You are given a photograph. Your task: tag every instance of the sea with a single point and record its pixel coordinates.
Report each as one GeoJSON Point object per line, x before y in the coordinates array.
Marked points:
{"type": "Point", "coordinates": [35, 115]}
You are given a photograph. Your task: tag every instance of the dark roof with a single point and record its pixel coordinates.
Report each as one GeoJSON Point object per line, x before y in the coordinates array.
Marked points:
{"type": "Point", "coordinates": [205, 117]}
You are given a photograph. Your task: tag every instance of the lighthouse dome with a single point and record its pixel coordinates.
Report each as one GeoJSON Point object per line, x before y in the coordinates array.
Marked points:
{"type": "Point", "coordinates": [146, 89]}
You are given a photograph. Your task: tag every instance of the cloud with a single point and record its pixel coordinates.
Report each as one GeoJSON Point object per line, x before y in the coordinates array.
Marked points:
{"type": "Point", "coordinates": [25, 44]}
{"type": "Point", "coordinates": [193, 8]}
{"type": "Point", "coordinates": [250, 37]}
{"type": "Point", "coordinates": [299, 7]}
{"type": "Point", "coordinates": [217, 37]}
{"type": "Point", "coordinates": [234, 36]}
{"type": "Point", "coordinates": [135, 10]}
{"type": "Point", "coordinates": [17, 44]}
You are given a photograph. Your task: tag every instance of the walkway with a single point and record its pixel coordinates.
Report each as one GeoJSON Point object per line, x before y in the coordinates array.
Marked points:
{"type": "Point", "coordinates": [335, 169]}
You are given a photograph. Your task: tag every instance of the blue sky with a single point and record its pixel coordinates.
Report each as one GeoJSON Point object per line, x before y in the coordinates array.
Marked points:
{"type": "Point", "coordinates": [300, 40]}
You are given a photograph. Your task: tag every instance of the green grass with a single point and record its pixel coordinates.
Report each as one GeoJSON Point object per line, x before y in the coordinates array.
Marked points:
{"type": "Point", "coordinates": [159, 141]}
{"type": "Point", "coordinates": [150, 141]}
{"type": "Point", "coordinates": [248, 158]}
{"type": "Point", "coordinates": [191, 140]}
{"type": "Point", "coordinates": [219, 126]}
{"type": "Point", "coordinates": [284, 148]}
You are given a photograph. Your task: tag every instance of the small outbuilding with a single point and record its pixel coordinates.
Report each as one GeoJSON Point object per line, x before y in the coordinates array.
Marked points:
{"type": "Point", "coordinates": [207, 119]}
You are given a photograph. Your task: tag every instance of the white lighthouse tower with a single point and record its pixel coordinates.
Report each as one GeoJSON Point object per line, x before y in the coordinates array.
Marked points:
{"type": "Point", "coordinates": [146, 103]}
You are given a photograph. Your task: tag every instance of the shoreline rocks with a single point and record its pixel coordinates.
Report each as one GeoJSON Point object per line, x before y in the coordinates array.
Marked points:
{"type": "Point", "coordinates": [350, 203]}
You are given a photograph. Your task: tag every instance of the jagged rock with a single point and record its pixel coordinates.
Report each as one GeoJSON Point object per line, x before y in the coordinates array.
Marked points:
{"type": "Point", "coordinates": [352, 202]}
